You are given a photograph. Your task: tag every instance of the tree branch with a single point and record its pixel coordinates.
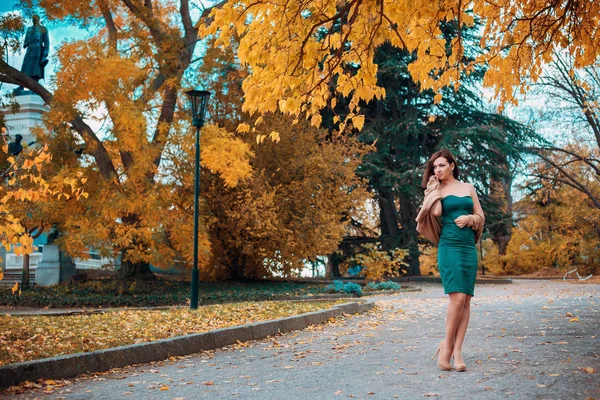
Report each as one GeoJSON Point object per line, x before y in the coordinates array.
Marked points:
{"type": "Point", "coordinates": [570, 180]}
{"type": "Point", "coordinates": [586, 160]}
{"type": "Point", "coordinates": [188, 27]}
{"type": "Point", "coordinates": [110, 26]}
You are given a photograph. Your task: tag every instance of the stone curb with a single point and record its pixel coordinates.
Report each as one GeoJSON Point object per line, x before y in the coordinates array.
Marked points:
{"type": "Point", "coordinates": [408, 289]}
{"type": "Point", "coordinates": [542, 278]}
{"type": "Point", "coordinates": [69, 366]}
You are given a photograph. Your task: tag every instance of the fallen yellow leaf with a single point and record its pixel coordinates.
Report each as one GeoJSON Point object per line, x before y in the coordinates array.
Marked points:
{"type": "Point", "coordinates": [589, 370]}
{"type": "Point", "coordinates": [165, 388]}
{"type": "Point", "coordinates": [576, 319]}
{"type": "Point", "coordinates": [15, 288]}
{"type": "Point", "coordinates": [568, 314]}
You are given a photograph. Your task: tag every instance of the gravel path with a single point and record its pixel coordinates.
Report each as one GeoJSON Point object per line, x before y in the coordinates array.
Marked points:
{"type": "Point", "coordinates": [526, 340]}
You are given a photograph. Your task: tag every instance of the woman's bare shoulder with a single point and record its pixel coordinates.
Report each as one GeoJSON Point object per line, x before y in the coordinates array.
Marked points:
{"type": "Point", "coordinates": [467, 187]}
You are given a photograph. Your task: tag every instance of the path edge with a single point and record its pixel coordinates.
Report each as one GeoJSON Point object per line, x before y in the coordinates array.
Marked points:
{"type": "Point", "coordinates": [72, 365]}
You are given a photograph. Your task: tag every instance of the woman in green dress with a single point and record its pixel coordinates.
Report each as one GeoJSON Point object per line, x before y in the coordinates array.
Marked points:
{"type": "Point", "coordinates": [457, 205]}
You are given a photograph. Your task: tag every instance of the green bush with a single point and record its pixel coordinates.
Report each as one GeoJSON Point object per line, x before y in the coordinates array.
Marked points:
{"type": "Point", "coordinates": [344, 287]}
{"type": "Point", "coordinates": [385, 285]}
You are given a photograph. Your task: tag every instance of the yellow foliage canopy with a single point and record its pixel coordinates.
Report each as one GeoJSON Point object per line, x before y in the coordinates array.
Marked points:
{"type": "Point", "coordinates": [292, 68]}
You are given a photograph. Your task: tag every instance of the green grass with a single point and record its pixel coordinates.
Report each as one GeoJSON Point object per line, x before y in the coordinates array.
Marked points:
{"type": "Point", "coordinates": [115, 293]}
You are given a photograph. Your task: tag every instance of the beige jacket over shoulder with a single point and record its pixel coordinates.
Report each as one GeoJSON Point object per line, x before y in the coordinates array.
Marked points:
{"type": "Point", "coordinates": [429, 226]}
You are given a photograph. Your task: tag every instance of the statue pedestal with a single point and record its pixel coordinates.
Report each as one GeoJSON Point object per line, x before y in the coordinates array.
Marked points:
{"type": "Point", "coordinates": [67, 267]}
{"type": "Point", "coordinates": [48, 270]}
{"type": "Point", "coordinates": [29, 116]}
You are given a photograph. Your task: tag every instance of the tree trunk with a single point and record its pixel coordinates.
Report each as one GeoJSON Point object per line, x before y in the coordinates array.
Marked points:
{"type": "Point", "coordinates": [506, 187]}
{"type": "Point", "coordinates": [502, 231]}
{"type": "Point", "coordinates": [237, 268]}
{"type": "Point", "coordinates": [25, 277]}
{"type": "Point", "coordinates": [138, 271]}
{"type": "Point", "coordinates": [131, 270]}
{"type": "Point", "coordinates": [481, 258]}
{"type": "Point", "coordinates": [333, 260]}
{"type": "Point", "coordinates": [389, 222]}
{"type": "Point", "coordinates": [409, 234]}
{"type": "Point", "coordinates": [502, 243]}
{"type": "Point", "coordinates": [392, 236]}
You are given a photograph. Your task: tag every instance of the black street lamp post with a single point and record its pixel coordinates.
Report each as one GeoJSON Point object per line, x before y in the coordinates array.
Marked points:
{"type": "Point", "coordinates": [198, 100]}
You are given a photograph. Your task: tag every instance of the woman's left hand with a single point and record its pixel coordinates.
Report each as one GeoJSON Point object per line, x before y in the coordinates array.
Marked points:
{"type": "Point", "coordinates": [462, 221]}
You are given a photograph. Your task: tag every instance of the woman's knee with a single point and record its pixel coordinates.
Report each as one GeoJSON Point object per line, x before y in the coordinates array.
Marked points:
{"type": "Point", "coordinates": [467, 303]}
{"type": "Point", "coordinates": [459, 299]}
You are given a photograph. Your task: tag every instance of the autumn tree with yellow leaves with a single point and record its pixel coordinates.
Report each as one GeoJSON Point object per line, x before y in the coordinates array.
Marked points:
{"type": "Point", "coordinates": [139, 56]}
{"type": "Point", "coordinates": [128, 73]}
{"type": "Point", "coordinates": [26, 193]}
{"type": "Point", "coordinates": [294, 68]}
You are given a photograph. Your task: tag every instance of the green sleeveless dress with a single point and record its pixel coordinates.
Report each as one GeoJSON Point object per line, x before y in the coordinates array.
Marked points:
{"type": "Point", "coordinates": [457, 254]}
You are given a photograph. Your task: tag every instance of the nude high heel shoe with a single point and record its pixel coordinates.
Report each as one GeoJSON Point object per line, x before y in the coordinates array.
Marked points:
{"type": "Point", "coordinates": [444, 366]}
{"type": "Point", "coordinates": [460, 367]}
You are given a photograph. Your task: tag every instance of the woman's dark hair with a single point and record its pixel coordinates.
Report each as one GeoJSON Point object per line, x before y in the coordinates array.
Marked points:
{"type": "Point", "coordinates": [429, 166]}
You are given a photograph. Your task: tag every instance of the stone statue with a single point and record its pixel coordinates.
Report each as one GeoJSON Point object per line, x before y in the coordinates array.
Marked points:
{"type": "Point", "coordinates": [15, 148]}
{"type": "Point", "coordinates": [36, 56]}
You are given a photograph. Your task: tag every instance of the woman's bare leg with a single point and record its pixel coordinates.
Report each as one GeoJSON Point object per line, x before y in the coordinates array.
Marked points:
{"type": "Point", "coordinates": [461, 331]}
{"type": "Point", "coordinates": [453, 318]}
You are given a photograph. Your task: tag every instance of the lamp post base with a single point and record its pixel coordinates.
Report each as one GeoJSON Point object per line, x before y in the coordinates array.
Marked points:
{"type": "Point", "coordinates": [194, 294]}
